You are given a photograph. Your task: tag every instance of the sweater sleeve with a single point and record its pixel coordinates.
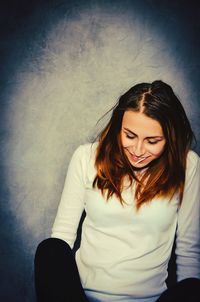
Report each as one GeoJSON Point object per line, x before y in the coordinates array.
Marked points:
{"type": "Point", "coordinates": [188, 228]}
{"type": "Point", "coordinates": [71, 204]}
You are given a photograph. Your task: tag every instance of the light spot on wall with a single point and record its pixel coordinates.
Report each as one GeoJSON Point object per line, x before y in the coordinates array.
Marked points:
{"type": "Point", "coordinates": [85, 63]}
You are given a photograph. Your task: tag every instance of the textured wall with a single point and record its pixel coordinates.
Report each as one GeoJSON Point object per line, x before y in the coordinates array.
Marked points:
{"type": "Point", "coordinates": [64, 64]}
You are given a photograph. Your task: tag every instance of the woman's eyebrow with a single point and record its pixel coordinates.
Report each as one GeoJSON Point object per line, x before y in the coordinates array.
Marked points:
{"type": "Point", "coordinates": [130, 131]}
{"type": "Point", "coordinates": [156, 136]}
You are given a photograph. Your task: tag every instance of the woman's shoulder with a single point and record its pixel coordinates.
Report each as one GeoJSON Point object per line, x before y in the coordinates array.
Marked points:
{"type": "Point", "coordinates": [192, 158]}
{"type": "Point", "coordinates": [84, 159]}
{"type": "Point", "coordinates": [193, 162]}
{"type": "Point", "coordinates": [86, 152]}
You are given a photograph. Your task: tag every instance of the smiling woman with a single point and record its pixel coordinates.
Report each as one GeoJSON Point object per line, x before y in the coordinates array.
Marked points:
{"type": "Point", "coordinates": [139, 180]}
{"type": "Point", "coordinates": [145, 130]}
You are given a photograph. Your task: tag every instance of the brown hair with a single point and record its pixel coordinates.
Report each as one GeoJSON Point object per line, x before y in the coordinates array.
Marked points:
{"type": "Point", "coordinates": [165, 175]}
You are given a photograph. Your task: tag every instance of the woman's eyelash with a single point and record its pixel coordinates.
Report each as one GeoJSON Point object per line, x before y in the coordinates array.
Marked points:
{"type": "Point", "coordinates": [129, 136]}
{"type": "Point", "coordinates": [133, 136]}
{"type": "Point", "coordinates": [153, 143]}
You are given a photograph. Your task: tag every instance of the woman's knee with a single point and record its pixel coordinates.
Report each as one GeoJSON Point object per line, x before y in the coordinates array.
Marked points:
{"type": "Point", "coordinates": [52, 248]}
{"type": "Point", "coordinates": [54, 264]}
{"type": "Point", "coordinates": [187, 290]}
{"type": "Point", "coordinates": [52, 243]}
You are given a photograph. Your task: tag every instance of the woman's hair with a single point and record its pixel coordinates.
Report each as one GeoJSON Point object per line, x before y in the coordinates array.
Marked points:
{"type": "Point", "coordinates": [165, 176]}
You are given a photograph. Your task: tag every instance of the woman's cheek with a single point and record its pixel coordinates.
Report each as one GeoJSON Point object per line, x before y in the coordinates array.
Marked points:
{"type": "Point", "coordinates": [157, 151]}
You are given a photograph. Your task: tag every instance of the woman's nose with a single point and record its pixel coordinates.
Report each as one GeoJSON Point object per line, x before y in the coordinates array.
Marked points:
{"type": "Point", "coordinates": [138, 148]}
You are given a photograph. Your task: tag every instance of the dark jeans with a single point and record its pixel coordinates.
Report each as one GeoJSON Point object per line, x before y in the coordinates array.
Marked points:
{"type": "Point", "coordinates": [57, 278]}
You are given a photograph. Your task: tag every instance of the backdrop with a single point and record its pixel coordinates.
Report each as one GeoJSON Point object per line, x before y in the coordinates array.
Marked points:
{"type": "Point", "coordinates": [63, 65]}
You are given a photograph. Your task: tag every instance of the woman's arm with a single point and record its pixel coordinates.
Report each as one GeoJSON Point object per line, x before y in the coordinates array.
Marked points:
{"type": "Point", "coordinates": [188, 229]}
{"type": "Point", "coordinates": [72, 200]}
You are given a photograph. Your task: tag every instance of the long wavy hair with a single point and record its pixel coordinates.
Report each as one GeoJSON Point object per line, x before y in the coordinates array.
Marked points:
{"type": "Point", "coordinates": [165, 176]}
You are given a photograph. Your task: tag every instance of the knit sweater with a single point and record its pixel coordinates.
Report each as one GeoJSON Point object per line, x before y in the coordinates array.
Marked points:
{"type": "Point", "coordinates": [124, 254]}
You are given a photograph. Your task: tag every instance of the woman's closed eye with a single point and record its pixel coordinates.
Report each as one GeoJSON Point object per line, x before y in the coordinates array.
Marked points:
{"type": "Point", "coordinates": [130, 136]}
{"type": "Point", "coordinates": [153, 142]}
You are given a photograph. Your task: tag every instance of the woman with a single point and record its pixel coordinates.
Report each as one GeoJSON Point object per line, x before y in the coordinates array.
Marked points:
{"type": "Point", "coordinates": [139, 186]}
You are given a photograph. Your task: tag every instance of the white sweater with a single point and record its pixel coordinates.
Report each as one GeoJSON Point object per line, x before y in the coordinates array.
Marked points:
{"type": "Point", "coordinates": [124, 254]}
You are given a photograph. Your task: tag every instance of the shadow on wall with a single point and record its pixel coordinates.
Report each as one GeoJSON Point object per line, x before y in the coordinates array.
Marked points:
{"type": "Point", "coordinates": [63, 66]}
{"type": "Point", "coordinates": [16, 256]}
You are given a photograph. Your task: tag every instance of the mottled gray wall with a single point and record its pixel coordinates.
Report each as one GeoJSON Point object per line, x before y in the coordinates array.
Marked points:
{"type": "Point", "coordinates": [64, 64]}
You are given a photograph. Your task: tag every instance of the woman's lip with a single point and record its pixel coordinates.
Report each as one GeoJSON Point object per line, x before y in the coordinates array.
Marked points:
{"type": "Point", "coordinates": [137, 158]}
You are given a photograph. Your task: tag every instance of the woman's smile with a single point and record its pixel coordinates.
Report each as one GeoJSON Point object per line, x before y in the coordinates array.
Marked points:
{"type": "Point", "coordinates": [136, 159]}
{"type": "Point", "coordinates": [142, 138]}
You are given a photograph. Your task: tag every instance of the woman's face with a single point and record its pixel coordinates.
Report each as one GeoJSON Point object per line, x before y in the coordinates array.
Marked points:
{"type": "Point", "coordinates": [142, 138]}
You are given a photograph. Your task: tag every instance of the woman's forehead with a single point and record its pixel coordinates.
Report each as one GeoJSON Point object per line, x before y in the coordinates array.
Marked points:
{"type": "Point", "coordinates": [139, 123]}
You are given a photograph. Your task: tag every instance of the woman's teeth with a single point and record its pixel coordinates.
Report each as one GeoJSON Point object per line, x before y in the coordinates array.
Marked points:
{"type": "Point", "coordinates": [140, 159]}
{"type": "Point", "coordinates": [137, 159]}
